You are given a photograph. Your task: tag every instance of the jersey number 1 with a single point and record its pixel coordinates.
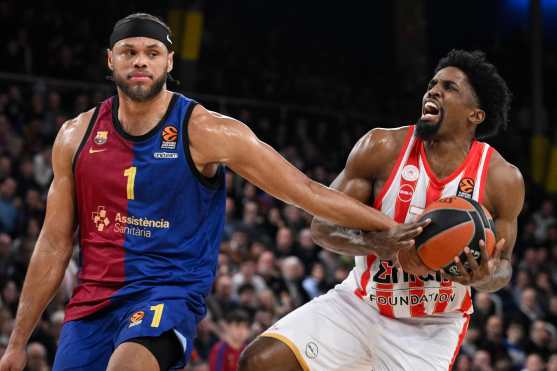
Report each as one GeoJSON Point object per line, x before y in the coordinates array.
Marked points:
{"type": "Point", "coordinates": [130, 174]}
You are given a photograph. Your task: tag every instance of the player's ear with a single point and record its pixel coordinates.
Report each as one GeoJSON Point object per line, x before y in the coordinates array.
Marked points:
{"type": "Point", "coordinates": [170, 62]}
{"type": "Point", "coordinates": [477, 116]}
{"type": "Point", "coordinates": [109, 59]}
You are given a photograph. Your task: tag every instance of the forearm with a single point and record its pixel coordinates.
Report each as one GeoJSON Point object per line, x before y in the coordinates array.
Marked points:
{"type": "Point", "coordinates": [44, 275]}
{"type": "Point", "coordinates": [337, 208]}
{"type": "Point", "coordinates": [499, 279]}
{"type": "Point", "coordinates": [341, 240]}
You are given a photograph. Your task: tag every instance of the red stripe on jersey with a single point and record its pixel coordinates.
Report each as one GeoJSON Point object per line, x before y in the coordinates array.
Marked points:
{"type": "Point", "coordinates": [379, 198]}
{"type": "Point", "coordinates": [385, 291]}
{"type": "Point", "coordinates": [403, 200]}
{"type": "Point", "coordinates": [484, 175]}
{"type": "Point", "coordinates": [446, 288]}
{"type": "Point", "coordinates": [466, 302]}
{"type": "Point", "coordinates": [99, 200]}
{"type": "Point", "coordinates": [361, 291]}
{"type": "Point", "coordinates": [460, 340]}
{"type": "Point", "coordinates": [476, 153]}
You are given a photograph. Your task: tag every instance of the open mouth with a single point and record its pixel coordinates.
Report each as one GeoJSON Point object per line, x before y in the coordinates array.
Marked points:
{"type": "Point", "coordinates": [431, 111]}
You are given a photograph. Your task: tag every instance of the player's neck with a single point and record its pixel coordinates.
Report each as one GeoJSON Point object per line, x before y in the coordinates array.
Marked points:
{"type": "Point", "coordinates": [446, 155]}
{"type": "Point", "coordinates": [138, 118]}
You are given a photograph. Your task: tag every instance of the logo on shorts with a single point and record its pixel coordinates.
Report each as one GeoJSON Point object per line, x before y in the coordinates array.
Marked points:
{"type": "Point", "coordinates": [169, 137]}
{"type": "Point", "coordinates": [405, 193]}
{"type": "Point", "coordinates": [100, 219]}
{"type": "Point", "coordinates": [101, 137]}
{"type": "Point", "coordinates": [136, 318]}
{"type": "Point", "coordinates": [410, 173]}
{"type": "Point", "coordinates": [312, 350]}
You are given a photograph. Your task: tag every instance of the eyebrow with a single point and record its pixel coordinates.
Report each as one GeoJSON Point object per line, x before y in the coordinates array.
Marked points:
{"type": "Point", "coordinates": [450, 82]}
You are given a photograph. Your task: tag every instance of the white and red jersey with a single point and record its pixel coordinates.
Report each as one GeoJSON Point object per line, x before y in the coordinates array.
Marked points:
{"type": "Point", "coordinates": [411, 187]}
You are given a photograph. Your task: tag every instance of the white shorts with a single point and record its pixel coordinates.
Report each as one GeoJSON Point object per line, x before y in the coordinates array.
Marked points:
{"type": "Point", "coordinates": [338, 331]}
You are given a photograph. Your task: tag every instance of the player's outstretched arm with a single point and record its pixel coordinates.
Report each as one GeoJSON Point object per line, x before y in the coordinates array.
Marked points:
{"type": "Point", "coordinates": [371, 156]}
{"type": "Point", "coordinates": [52, 250]}
{"type": "Point", "coordinates": [219, 139]}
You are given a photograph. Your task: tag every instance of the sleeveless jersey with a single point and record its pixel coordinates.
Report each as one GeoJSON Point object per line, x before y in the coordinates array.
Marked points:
{"type": "Point", "coordinates": [149, 223]}
{"type": "Point", "coordinates": [411, 187]}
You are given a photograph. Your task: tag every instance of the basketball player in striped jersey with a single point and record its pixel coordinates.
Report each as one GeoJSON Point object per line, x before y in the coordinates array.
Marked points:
{"type": "Point", "coordinates": [387, 317]}
{"type": "Point", "coordinates": [142, 175]}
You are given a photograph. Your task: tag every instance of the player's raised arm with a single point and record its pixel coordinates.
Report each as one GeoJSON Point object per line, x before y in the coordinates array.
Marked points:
{"type": "Point", "coordinates": [220, 139]}
{"type": "Point", "coordinates": [52, 251]}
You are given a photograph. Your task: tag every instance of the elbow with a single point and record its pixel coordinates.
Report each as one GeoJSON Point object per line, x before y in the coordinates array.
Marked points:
{"type": "Point", "coordinates": [315, 233]}
{"type": "Point", "coordinates": [318, 234]}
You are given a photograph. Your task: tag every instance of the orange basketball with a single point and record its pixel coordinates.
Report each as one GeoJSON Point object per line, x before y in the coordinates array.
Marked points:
{"type": "Point", "coordinates": [456, 222]}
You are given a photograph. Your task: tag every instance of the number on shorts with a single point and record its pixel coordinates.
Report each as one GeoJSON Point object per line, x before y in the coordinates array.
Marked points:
{"type": "Point", "coordinates": [158, 314]}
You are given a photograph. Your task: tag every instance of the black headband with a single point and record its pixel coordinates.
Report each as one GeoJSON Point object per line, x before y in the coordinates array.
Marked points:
{"type": "Point", "coordinates": [141, 28]}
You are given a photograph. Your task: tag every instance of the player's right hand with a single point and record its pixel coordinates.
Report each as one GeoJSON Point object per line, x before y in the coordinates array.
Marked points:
{"type": "Point", "coordinates": [386, 244]}
{"type": "Point", "coordinates": [13, 360]}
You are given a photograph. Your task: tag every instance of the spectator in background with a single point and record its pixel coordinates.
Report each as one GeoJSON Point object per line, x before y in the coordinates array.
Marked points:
{"type": "Point", "coordinates": [9, 212]}
{"type": "Point", "coordinates": [247, 275]}
{"type": "Point", "coordinates": [543, 219]}
{"type": "Point", "coordinates": [552, 363]}
{"type": "Point", "coordinates": [534, 363]}
{"type": "Point", "coordinates": [36, 357]}
{"type": "Point", "coordinates": [293, 273]}
{"type": "Point", "coordinates": [315, 284]}
{"type": "Point", "coordinates": [222, 301]}
{"type": "Point", "coordinates": [307, 251]}
{"type": "Point", "coordinates": [284, 243]}
{"type": "Point", "coordinates": [540, 339]}
{"type": "Point", "coordinates": [514, 344]}
{"type": "Point", "coordinates": [493, 342]}
{"type": "Point", "coordinates": [482, 361]}
{"type": "Point", "coordinates": [235, 333]}
{"type": "Point", "coordinates": [529, 308]}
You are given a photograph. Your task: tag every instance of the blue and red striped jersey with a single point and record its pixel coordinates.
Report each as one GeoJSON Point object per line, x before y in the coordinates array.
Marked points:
{"type": "Point", "coordinates": [149, 223]}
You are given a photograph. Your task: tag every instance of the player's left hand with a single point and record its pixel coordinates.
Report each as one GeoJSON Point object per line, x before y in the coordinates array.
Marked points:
{"type": "Point", "coordinates": [478, 274]}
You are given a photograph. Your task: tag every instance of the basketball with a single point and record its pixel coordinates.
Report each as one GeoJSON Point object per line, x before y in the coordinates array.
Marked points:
{"type": "Point", "coordinates": [456, 222]}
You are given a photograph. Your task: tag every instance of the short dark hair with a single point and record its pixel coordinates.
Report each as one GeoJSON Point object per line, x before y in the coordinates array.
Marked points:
{"type": "Point", "coordinates": [143, 16]}
{"type": "Point", "coordinates": [237, 316]}
{"type": "Point", "coordinates": [494, 96]}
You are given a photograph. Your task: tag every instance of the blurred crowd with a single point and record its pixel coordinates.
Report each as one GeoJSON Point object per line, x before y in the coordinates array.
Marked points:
{"type": "Point", "coordinates": [268, 264]}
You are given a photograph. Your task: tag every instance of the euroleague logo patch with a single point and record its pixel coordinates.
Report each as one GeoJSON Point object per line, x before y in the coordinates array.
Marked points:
{"type": "Point", "coordinates": [405, 193]}
{"type": "Point", "coordinates": [169, 137]}
{"type": "Point", "coordinates": [136, 318]}
{"type": "Point", "coordinates": [466, 188]}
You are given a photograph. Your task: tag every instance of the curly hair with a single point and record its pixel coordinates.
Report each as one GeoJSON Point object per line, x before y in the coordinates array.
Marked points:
{"type": "Point", "coordinates": [494, 96]}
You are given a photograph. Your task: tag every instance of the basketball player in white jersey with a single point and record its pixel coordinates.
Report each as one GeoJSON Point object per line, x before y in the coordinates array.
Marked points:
{"type": "Point", "coordinates": [386, 317]}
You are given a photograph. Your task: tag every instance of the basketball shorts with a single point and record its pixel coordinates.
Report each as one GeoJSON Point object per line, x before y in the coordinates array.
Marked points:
{"type": "Point", "coordinates": [338, 331]}
{"type": "Point", "coordinates": [88, 343]}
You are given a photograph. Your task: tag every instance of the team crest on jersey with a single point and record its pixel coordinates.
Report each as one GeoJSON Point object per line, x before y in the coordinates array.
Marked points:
{"type": "Point", "coordinates": [136, 318]}
{"type": "Point", "coordinates": [101, 137]}
{"type": "Point", "coordinates": [169, 137]}
{"type": "Point", "coordinates": [466, 188]}
{"type": "Point", "coordinates": [405, 193]}
{"type": "Point", "coordinates": [410, 173]}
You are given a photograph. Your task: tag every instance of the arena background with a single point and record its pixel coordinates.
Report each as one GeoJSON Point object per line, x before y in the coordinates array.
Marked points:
{"type": "Point", "coordinates": [309, 78]}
